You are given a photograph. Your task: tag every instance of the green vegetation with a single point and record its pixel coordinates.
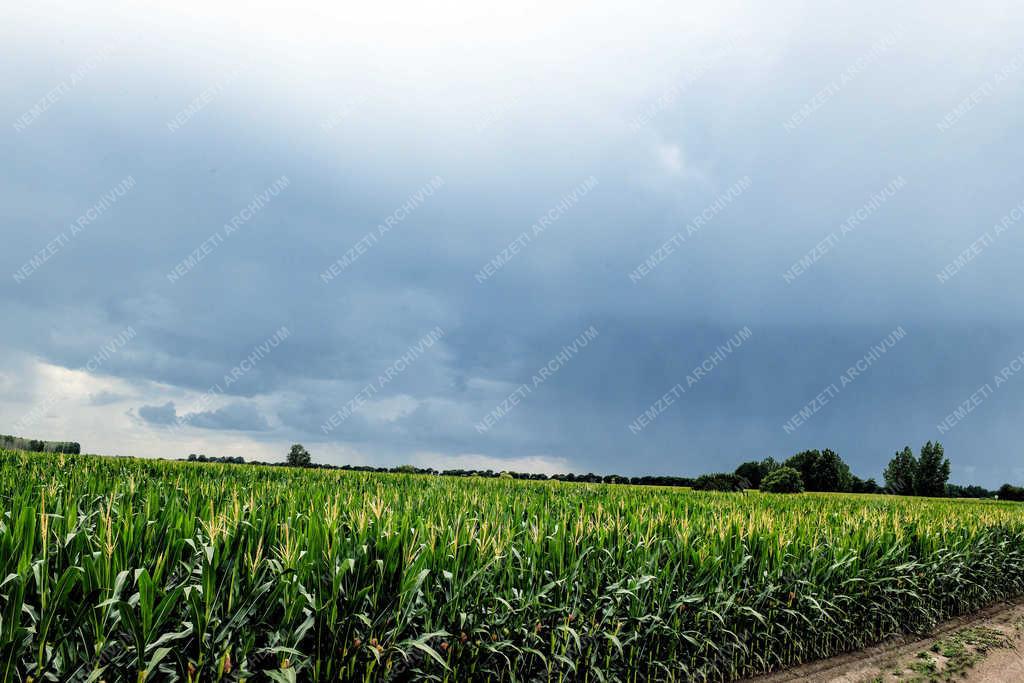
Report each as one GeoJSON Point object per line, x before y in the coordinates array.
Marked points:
{"type": "Point", "coordinates": [1010, 492]}
{"type": "Point", "coordinates": [968, 646]}
{"type": "Point", "coordinates": [227, 460]}
{"type": "Point", "coordinates": [822, 470]}
{"type": "Point", "coordinates": [298, 456]}
{"type": "Point", "coordinates": [783, 480]}
{"type": "Point", "coordinates": [925, 475]}
{"type": "Point", "coordinates": [825, 470]}
{"type": "Point", "coordinates": [755, 471]}
{"type": "Point", "coordinates": [719, 481]}
{"type": "Point", "coordinates": [906, 475]}
{"type": "Point", "coordinates": [37, 446]}
{"type": "Point", "coordinates": [950, 657]}
{"type": "Point", "coordinates": [121, 569]}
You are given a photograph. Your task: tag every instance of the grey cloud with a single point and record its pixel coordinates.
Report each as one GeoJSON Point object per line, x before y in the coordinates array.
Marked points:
{"type": "Point", "coordinates": [159, 415]}
{"type": "Point", "coordinates": [234, 416]}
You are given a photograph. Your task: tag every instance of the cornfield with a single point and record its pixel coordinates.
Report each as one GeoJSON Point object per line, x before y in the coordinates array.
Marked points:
{"type": "Point", "coordinates": [141, 570]}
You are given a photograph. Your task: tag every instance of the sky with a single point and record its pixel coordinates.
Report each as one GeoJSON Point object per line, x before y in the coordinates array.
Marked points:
{"type": "Point", "coordinates": [632, 238]}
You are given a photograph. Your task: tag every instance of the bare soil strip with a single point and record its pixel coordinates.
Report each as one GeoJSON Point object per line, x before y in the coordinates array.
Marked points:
{"type": "Point", "coordinates": [985, 647]}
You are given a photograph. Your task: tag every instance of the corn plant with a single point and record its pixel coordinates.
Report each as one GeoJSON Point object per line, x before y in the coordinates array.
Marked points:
{"type": "Point", "coordinates": [143, 570]}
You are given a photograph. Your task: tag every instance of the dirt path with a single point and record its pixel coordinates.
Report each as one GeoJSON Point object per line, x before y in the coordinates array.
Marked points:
{"type": "Point", "coordinates": [987, 647]}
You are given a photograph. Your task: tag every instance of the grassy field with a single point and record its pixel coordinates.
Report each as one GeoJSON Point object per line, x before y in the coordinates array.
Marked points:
{"type": "Point", "coordinates": [116, 569]}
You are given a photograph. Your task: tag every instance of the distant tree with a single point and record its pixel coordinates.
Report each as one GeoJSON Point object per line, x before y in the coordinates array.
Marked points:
{"type": "Point", "coordinates": [718, 481]}
{"type": "Point", "coordinates": [975, 491]}
{"type": "Point", "coordinates": [224, 459]}
{"type": "Point", "coordinates": [754, 471]}
{"type": "Point", "coordinates": [783, 480]}
{"type": "Point", "coordinates": [36, 446]}
{"type": "Point", "coordinates": [831, 473]}
{"type": "Point", "coordinates": [802, 462]}
{"type": "Point", "coordinates": [932, 471]}
{"type": "Point", "coordinates": [901, 473]}
{"type": "Point", "coordinates": [821, 470]}
{"type": "Point", "coordinates": [1010, 492]}
{"type": "Point", "coordinates": [858, 485]}
{"type": "Point", "coordinates": [957, 491]}
{"type": "Point", "coordinates": [298, 456]}
{"type": "Point", "coordinates": [405, 469]}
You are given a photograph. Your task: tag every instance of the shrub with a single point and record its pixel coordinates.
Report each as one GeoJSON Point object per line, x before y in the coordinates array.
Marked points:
{"type": "Point", "coordinates": [783, 480]}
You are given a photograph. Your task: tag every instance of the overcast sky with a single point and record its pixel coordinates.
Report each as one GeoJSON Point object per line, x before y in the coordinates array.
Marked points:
{"type": "Point", "coordinates": [582, 236]}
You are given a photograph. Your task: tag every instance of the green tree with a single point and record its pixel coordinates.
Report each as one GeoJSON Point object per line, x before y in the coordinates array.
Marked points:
{"type": "Point", "coordinates": [821, 470]}
{"type": "Point", "coordinates": [1010, 492]}
{"type": "Point", "coordinates": [831, 473]}
{"type": "Point", "coordinates": [783, 480]}
{"type": "Point", "coordinates": [803, 462]}
{"type": "Point", "coordinates": [298, 456]}
{"type": "Point", "coordinates": [859, 485]}
{"type": "Point", "coordinates": [932, 471]}
{"type": "Point", "coordinates": [752, 472]}
{"type": "Point", "coordinates": [718, 481]}
{"type": "Point", "coordinates": [901, 473]}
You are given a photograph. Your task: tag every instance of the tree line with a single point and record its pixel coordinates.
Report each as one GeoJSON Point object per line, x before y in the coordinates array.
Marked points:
{"type": "Point", "coordinates": [224, 460]}
{"type": "Point", "coordinates": [16, 443]}
{"type": "Point", "coordinates": [926, 474]}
